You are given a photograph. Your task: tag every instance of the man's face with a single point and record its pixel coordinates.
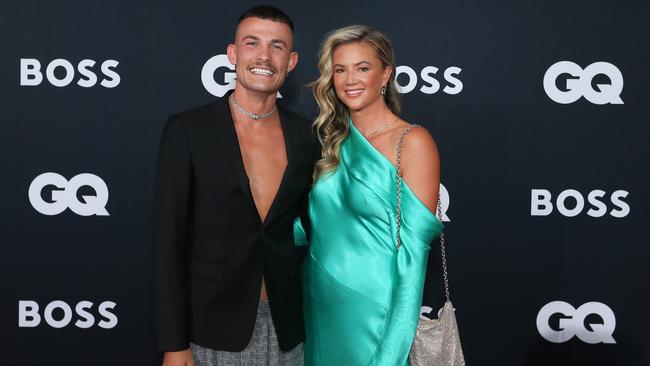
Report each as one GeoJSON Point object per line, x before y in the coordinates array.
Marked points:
{"type": "Point", "coordinates": [262, 53]}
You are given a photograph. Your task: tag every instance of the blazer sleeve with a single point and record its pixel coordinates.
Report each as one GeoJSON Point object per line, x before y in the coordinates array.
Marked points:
{"type": "Point", "coordinates": [171, 209]}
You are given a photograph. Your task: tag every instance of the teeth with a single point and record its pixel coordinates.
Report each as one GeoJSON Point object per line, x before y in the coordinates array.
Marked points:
{"type": "Point", "coordinates": [258, 70]}
{"type": "Point", "coordinates": [354, 93]}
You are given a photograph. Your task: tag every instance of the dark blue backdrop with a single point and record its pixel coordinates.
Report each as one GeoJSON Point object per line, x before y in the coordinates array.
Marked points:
{"type": "Point", "coordinates": [521, 170]}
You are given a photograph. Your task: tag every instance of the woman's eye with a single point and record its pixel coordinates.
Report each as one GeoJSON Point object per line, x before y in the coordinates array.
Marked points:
{"type": "Point", "coordinates": [364, 68]}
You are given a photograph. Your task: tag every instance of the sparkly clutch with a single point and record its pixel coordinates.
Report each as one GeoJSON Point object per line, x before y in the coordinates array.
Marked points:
{"type": "Point", "coordinates": [436, 342]}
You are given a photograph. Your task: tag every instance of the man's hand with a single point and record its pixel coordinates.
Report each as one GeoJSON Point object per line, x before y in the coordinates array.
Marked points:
{"type": "Point", "coordinates": [180, 358]}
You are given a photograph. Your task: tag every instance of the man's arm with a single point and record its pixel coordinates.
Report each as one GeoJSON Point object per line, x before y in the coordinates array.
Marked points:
{"type": "Point", "coordinates": [171, 206]}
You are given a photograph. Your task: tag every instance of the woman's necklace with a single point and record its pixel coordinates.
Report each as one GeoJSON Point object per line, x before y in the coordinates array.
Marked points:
{"type": "Point", "coordinates": [252, 115]}
{"type": "Point", "coordinates": [381, 128]}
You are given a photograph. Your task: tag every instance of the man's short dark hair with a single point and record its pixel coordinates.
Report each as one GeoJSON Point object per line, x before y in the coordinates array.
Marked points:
{"type": "Point", "coordinates": [267, 12]}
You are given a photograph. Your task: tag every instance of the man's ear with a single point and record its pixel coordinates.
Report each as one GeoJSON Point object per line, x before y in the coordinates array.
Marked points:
{"type": "Point", "coordinates": [293, 61]}
{"type": "Point", "coordinates": [231, 51]}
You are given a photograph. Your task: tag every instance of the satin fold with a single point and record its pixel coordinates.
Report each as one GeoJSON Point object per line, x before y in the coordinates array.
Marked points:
{"type": "Point", "coordinates": [361, 295]}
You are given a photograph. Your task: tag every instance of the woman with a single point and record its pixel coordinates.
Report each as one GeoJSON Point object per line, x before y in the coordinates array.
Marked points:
{"type": "Point", "coordinates": [362, 295]}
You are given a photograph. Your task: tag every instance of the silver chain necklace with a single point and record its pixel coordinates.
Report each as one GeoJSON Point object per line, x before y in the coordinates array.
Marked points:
{"type": "Point", "coordinates": [254, 116]}
{"type": "Point", "coordinates": [381, 128]}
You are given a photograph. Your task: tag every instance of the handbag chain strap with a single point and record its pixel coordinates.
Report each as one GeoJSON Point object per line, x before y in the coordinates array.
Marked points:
{"type": "Point", "coordinates": [398, 219]}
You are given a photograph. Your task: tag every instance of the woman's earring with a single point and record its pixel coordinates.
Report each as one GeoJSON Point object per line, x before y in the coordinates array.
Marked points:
{"type": "Point", "coordinates": [383, 90]}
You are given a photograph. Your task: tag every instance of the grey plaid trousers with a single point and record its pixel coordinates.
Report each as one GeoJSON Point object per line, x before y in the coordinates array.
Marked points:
{"type": "Point", "coordinates": [262, 350]}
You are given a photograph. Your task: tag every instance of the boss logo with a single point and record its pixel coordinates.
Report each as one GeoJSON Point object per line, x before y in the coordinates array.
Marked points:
{"type": "Point", "coordinates": [428, 76]}
{"type": "Point", "coordinates": [541, 205]}
{"type": "Point", "coordinates": [227, 79]}
{"type": "Point", "coordinates": [576, 83]}
{"type": "Point", "coordinates": [58, 314]}
{"type": "Point", "coordinates": [572, 322]}
{"type": "Point", "coordinates": [62, 194]}
{"type": "Point", "coordinates": [61, 72]}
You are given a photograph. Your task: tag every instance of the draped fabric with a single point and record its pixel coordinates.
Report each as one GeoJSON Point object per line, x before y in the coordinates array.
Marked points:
{"type": "Point", "coordinates": [362, 295]}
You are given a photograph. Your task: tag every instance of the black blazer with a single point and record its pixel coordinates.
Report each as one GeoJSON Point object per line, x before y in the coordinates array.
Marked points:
{"type": "Point", "coordinates": [210, 246]}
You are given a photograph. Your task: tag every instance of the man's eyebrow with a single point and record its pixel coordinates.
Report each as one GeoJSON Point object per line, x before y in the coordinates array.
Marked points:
{"type": "Point", "coordinates": [279, 41]}
{"type": "Point", "coordinates": [256, 38]}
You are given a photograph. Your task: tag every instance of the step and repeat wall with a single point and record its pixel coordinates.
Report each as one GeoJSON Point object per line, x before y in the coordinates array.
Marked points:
{"type": "Point", "coordinates": [539, 110]}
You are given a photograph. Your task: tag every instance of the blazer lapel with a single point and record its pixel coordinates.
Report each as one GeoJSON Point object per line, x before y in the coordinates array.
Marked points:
{"type": "Point", "coordinates": [229, 145]}
{"type": "Point", "coordinates": [290, 141]}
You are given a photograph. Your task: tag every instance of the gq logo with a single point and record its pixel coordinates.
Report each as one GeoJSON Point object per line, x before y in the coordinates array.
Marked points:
{"type": "Point", "coordinates": [444, 203]}
{"type": "Point", "coordinates": [579, 83]}
{"type": "Point", "coordinates": [428, 75]}
{"type": "Point", "coordinates": [31, 74]}
{"type": "Point", "coordinates": [572, 323]}
{"type": "Point", "coordinates": [219, 88]}
{"type": "Point", "coordinates": [207, 75]}
{"type": "Point", "coordinates": [62, 194]}
{"type": "Point", "coordinates": [426, 313]}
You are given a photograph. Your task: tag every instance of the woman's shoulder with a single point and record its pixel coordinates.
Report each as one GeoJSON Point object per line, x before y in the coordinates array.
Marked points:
{"type": "Point", "coordinates": [416, 139]}
{"type": "Point", "coordinates": [420, 165]}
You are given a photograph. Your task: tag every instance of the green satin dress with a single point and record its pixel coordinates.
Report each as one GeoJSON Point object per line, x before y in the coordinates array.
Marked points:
{"type": "Point", "coordinates": [362, 296]}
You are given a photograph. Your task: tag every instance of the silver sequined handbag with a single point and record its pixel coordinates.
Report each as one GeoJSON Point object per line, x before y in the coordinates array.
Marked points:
{"type": "Point", "coordinates": [437, 342]}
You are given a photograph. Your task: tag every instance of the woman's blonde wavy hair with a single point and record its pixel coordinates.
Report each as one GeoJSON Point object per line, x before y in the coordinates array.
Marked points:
{"type": "Point", "coordinates": [331, 125]}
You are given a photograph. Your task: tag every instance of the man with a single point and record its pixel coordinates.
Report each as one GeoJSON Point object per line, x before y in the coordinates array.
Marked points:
{"type": "Point", "coordinates": [231, 177]}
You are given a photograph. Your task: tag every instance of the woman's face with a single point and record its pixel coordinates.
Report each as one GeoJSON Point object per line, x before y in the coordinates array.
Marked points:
{"type": "Point", "coordinates": [358, 75]}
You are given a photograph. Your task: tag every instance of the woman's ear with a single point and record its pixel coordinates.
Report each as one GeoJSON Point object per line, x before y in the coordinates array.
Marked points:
{"type": "Point", "coordinates": [387, 71]}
